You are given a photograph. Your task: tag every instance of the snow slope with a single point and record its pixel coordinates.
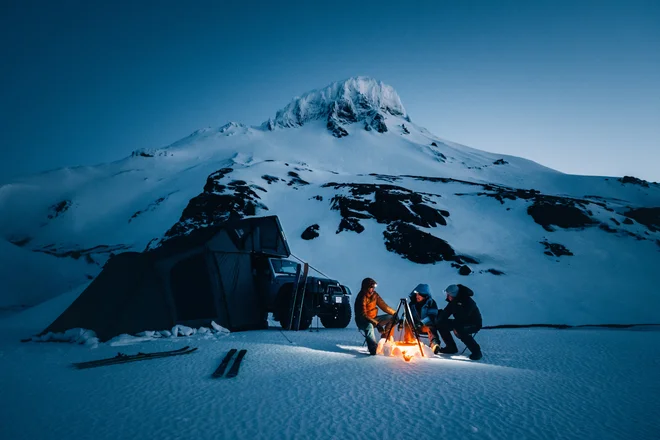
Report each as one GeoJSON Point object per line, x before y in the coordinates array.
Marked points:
{"type": "Point", "coordinates": [301, 167]}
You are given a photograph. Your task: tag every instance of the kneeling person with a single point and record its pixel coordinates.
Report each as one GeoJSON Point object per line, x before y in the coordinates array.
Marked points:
{"type": "Point", "coordinates": [467, 320]}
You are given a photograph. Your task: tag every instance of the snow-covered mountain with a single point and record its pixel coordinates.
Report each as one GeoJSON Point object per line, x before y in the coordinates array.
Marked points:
{"type": "Point", "coordinates": [361, 190]}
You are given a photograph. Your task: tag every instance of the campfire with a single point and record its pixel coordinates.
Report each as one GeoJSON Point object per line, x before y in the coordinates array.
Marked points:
{"type": "Point", "coordinates": [403, 339]}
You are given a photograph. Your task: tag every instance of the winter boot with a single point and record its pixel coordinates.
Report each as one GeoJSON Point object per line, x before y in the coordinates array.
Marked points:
{"type": "Point", "coordinates": [476, 355]}
{"type": "Point", "coordinates": [471, 344]}
{"type": "Point", "coordinates": [435, 346]}
{"type": "Point", "coordinates": [448, 350]}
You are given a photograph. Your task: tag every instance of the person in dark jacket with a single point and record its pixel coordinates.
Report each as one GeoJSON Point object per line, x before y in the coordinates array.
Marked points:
{"type": "Point", "coordinates": [367, 319]}
{"type": "Point", "coordinates": [467, 320]}
{"type": "Point", "coordinates": [425, 313]}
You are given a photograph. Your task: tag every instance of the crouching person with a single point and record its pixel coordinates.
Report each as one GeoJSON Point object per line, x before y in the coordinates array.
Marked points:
{"type": "Point", "coordinates": [425, 313]}
{"type": "Point", "coordinates": [367, 319]}
{"type": "Point", "coordinates": [467, 320]}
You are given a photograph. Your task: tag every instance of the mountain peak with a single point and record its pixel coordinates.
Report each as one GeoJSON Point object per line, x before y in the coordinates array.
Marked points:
{"type": "Point", "coordinates": [356, 99]}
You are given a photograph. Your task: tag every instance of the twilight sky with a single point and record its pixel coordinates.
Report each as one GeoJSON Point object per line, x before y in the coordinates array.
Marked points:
{"type": "Point", "coordinates": [572, 84]}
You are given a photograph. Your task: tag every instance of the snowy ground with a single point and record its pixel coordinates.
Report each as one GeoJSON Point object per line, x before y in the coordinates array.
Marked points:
{"type": "Point", "coordinates": [531, 384]}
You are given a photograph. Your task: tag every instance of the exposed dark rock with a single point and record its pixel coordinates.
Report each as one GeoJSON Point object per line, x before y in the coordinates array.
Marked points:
{"type": "Point", "coordinates": [415, 245]}
{"type": "Point", "coordinates": [350, 224]}
{"type": "Point", "coordinates": [615, 221]}
{"type": "Point", "coordinates": [212, 181]}
{"type": "Point", "coordinates": [295, 179]}
{"type": "Point", "coordinates": [385, 177]}
{"type": "Point", "coordinates": [337, 130]}
{"type": "Point", "coordinates": [152, 206]}
{"type": "Point", "coordinates": [429, 215]}
{"type": "Point", "coordinates": [634, 181]}
{"type": "Point", "coordinates": [378, 123]}
{"type": "Point", "coordinates": [464, 270]}
{"type": "Point", "coordinates": [495, 272]}
{"type": "Point", "coordinates": [59, 208]}
{"type": "Point", "coordinates": [20, 242]}
{"type": "Point", "coordinates": [607, 228]}
{"type": "Point", "coordinates": [649, 217]}
{"type": "Point", "coordinates": [562, 213]}
{"type": "Point", "coordinates": [555, 249]}
{"type": "Point", "coordinates": [148, 153]}
{"type": "Point", "coordinates": [87, 254]}
{"type": "Point", "coordinates": [405, 129]}
{"type": "Point", "coordinates": [433, 144]}
{"type": "Point", "coordinates": [343, 112]}
{"type": "Point", "coordinates": [270, 179]}
{"type": "Point", "coordinates": [657, 242]}
{"type": "Point", "coordinates": [628, 221]}
{"type": "Point", "coordinates": [500, 162]}
{"type": "Point", "coordinates": [311, 232]}
{"type": "Point", "coordinates": [253, 186]}
{"type": "Point", "coordinates": [390, 203]}
{"type": "Point", "coordinates": [216, 204]}
{"type": "Point", "coordinates": [319, 198]}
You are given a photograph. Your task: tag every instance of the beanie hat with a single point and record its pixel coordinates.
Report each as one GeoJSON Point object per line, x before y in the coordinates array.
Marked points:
{"type": "Point", "coordinates": [368, 282]}
{"type": "Point", "coordinates": [423, 289]}
{"type": "Point", "coordinates": [452, 290]}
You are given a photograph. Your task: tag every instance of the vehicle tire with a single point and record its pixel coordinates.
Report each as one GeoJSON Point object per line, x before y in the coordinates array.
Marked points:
{"type": "Point", "coordinates": [340, 320]}
{"type": "Point", "coordinates": [284, 299]}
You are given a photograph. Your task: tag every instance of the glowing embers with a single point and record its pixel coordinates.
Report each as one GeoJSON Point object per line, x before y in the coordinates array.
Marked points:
{"type": "Point", "coordinates": [403, 339]}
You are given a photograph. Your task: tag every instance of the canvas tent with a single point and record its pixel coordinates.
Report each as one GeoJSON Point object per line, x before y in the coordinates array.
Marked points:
{"type": "Point", "coordinates": [191, 280]}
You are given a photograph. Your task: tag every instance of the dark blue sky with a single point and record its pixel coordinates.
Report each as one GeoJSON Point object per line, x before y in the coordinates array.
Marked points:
{"type": "Point", "coordinates": [574, 85]}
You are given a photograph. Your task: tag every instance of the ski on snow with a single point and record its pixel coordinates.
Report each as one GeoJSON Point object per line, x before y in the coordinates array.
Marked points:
{"type": "Point", "coordinates": [124, 358]}
{"type": "Point", "coordinates": [233, 371]}
{"type": "Point", "coordinates": [223, 365]}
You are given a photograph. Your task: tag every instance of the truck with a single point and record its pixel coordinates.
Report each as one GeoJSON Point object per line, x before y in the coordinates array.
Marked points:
{"type": "Point", "coordinates": [295, 298]}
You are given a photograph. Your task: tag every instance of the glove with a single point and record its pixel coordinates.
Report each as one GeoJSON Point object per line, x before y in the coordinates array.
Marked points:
{"type": "Point", "coordinates": [380, 328]}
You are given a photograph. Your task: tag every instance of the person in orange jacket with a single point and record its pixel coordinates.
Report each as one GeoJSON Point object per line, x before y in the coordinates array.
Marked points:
{"type": "Point", "coordinates": [367, 319]}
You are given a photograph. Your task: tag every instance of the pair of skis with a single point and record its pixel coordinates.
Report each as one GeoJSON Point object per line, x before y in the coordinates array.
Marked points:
{"type": "Point", "coordinates": [233, 371]}
{"type": "Point", "coordinates": [125, 358]}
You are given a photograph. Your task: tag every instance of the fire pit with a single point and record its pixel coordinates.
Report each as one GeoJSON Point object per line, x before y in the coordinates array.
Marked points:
{"type": "Point", "coordinates": [403, 339]}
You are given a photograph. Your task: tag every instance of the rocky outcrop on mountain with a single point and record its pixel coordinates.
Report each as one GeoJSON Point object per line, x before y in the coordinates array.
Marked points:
{"type": "Point", "coordinates": [151, 207]}
{"type": "Point", "coordinates": [564, 213]}
{"type": "Point", "coordinates": [219, 202]}
{"type": "Point", "coordinates": [390, 203]}
{"type": "Point", "coordinates": [358, 99]}
{"type": "Point", "coordinates": [310, 233]}
{"type": "Point", "coordinates": [634, 181]}
{"type": "Point", "coordinates": [555, 249]}
{"type": "Point", "coordinates": [649, 217]}
{"type": "Point", "coordinates": [58, 209]}
{"type": "Point", "coordinates": [105, 251]}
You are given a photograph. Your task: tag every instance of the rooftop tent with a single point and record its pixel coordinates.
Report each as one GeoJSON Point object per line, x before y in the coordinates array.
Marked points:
{"type": "Point", "coordinates": [191, 280]}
